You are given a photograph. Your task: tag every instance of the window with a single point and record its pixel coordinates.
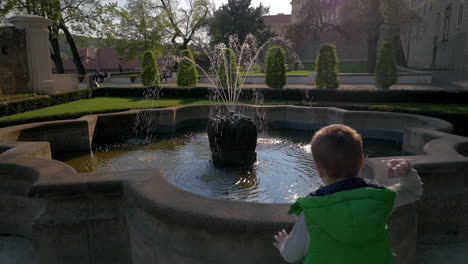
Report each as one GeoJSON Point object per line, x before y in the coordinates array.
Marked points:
{"type": "Point", "coordinates": [460, 13]}
{"type": "Point", "coordinates": [448, 10]}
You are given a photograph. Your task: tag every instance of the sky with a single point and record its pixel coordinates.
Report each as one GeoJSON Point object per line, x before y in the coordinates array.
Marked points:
{"type": "Point", "coordinates": [276, 6]}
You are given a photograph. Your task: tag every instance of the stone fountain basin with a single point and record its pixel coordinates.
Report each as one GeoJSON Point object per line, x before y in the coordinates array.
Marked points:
{"type": "Point", "coordinates": [139, 217]}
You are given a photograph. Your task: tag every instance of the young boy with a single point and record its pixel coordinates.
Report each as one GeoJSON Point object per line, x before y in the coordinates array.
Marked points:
{"type": "Point", "coordinates": [345, 221]}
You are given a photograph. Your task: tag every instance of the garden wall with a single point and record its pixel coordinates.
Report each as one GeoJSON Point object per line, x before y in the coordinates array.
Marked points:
{"type": "Point", "coordinates": [14, 72]}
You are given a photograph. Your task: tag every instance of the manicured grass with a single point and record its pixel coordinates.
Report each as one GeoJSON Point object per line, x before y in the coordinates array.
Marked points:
{"type": "Point", "coordinates": [102, 104]}
{"type": "Point", "coordinates": [303, 72]}
{"type": "Point", "coordinates": [345, 66]}
{"type": "Point", "coordinates": [299, 72]}
{"type": "Point", "coordinates": [105, 104]}
{"type": "Point", "coordinates": [6, 98]}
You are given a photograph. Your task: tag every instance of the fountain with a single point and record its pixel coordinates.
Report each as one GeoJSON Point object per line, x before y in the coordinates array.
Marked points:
{"type": "Point", "coordinates": [233, 136]}
{"type": "Point", "coordinates": [233, 139]}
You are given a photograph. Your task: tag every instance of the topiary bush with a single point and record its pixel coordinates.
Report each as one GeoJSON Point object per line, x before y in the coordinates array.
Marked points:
{"type": "Point", "coordinates": [386, 73]}
{"type": "Point", "coordinates": [187, 75]}
{"type": "Point", "coordinates": [275, 67]}
{"type": "Point", "coordinates": [150, 70]}
{"type": "Point", "coordinates": [227, 68]}
{"type": "Point", "coordinates": [327, 68]}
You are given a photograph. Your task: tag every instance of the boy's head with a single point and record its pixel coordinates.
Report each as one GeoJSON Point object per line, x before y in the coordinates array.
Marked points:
{"type": "Point", "coordinates": [337, 151]}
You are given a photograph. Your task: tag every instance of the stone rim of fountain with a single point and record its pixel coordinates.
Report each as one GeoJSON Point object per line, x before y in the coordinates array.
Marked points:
{"type": "Point", "coordinates": [37, 176]}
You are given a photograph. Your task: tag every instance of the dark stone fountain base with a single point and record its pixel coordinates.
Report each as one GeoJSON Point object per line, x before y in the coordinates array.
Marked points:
{"type": "Point", "coordinates": [233, 139]}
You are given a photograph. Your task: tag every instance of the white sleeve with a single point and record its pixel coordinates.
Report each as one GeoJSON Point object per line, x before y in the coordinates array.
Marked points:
{"type": "Point", "coordinates": [294, 248]}
{"type": "Point", "coordinates": [408, 190]}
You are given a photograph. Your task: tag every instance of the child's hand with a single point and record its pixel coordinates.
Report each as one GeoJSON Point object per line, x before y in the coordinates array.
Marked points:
{"type": "Point", "coordinates": [280, 238]}
{"type": "Point", "coordinates": [398, 168]}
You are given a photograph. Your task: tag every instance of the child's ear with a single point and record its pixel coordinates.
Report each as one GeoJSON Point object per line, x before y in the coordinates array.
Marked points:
{"type": "Point", "coordinates": [362, 163]}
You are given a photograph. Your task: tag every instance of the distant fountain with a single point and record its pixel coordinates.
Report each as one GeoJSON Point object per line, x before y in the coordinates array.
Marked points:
{"type": "Point", "coordinates": [233, 136]}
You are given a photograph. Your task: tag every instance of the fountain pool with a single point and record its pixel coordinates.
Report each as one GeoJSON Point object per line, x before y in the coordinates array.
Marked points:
{"type": "Point", "coordinates": [283, 172]}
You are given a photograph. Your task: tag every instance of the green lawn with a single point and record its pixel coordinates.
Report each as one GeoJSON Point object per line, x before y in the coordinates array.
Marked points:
{"type": "Point", "coordinates": [102, 104]}
{"type": "Point", "coordinates": [302, 72]}
{"type": "Point", "coordinates": [345, 66]}
{"type": "Point", "coordinates": [5, 98]}
{"type": "Point", "coordinates": [105, 104]}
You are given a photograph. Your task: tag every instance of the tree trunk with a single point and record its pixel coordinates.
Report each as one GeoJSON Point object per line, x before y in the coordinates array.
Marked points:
{"type": "Point", "coordinates": [372, 43]}
{"type": "Point", "coordinates": [76, 56]}
{"type": "Point", "coordinates": [55, 52]}
{"type": "Point", "coordinates": [399, 52]}
{"type": "Point", "coordinates": [184, 44]}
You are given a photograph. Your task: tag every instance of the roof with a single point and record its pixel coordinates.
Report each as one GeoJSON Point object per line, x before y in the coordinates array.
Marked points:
{"type": "Point", "coordinates": [102, 59]}
{"type": "Point", "coordinates": [277, 19]}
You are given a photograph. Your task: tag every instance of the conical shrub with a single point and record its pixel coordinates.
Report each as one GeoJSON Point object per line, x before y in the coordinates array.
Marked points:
{"type": "Point", "coordinates": [150, 70]}
{"type": "Point", "coordinates": [187, 76]}
{"type": "Point", "coordinates": [227, 68]}
{"type": "Point", "coordinates": [327, 68]}
{"type": "Point", "coordinates": [386, 73]}
{"type": "Point", "coordinates": [275, 67]}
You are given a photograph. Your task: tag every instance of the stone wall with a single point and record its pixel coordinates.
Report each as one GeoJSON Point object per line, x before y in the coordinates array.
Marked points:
{"type": "Point", "coordinates": [14, 73]}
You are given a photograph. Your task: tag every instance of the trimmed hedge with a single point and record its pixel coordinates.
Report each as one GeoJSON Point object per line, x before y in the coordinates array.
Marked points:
{"type": "Point", "coordinates": [15, 107]}
{"type": "Point", "coordinates": [150, 71]}
{"type": "Point", "coordinates": [459, 120]}
{"type": "Point", "coordinates": [386, 73]}
{"type": "Point", "coordinates": [187, 76]}
{"type": "Point", "coordinates": [327, 68]}
{"type": "Point", "coordinates": [275, 67]}
{"type": "Point", "coordinates": [227, 61]}
{"type": "Point", "coordinates": [374, 96]}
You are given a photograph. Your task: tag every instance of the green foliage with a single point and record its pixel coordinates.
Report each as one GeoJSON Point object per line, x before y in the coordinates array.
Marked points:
{"type": "Point", "coordinates": [275, 67]}
{"type": "Point", "coordinates": [327, 68]}
{"type": "Point", "coordinates": [150, 70]}
{"type": "Point", "coordinates": [11, 108]}
{"type": "Point", "coordinates": [386, 72]}
{"type": "Point", "coordinates": [187, 76]}
{"type": "Point", "coordinates": [135, 28]}
{"type": "Point", "coordinates": [239, 18]}
{"type": "Point", "coordinates": [227, 68]}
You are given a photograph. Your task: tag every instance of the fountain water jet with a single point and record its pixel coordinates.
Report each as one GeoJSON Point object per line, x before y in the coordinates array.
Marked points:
{"type": "Point", "coordinates": [233, 137]}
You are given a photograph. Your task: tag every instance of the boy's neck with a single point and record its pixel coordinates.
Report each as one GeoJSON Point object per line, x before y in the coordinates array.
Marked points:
{"type": "Point", "coordinates": [329, 181]}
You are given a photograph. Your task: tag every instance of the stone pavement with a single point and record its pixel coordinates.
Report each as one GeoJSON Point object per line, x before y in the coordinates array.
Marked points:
{"type": "Point", "coordinates": [16, 250]}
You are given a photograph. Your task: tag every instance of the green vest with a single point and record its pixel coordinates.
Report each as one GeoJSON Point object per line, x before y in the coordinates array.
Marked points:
{"type": "Point", "coordinates": [348, 226]}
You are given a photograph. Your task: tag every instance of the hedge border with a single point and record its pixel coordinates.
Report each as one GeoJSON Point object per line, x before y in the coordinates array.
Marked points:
{"type": "Point", "coordinates": [353, 96]}
{"type": "Point", "coordinates": [458, 120]}
{"type": "Point", "coordinates": [30, 104]}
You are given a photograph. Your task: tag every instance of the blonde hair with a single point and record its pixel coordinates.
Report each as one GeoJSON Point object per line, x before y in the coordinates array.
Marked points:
{"type": "Point", "coordinates": [337, 149]}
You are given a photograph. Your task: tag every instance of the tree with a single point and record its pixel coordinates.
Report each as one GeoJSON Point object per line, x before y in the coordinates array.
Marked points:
{"type": "Point", "coordinates": [275, 67]}
{"type": "Point", "coordinates": [226, 65]}
{"type": "Point", "coordinates": [238, 17]}
{"type": "Point", "coordinates": [371, 17]}
{"type": "Point", "coordinates": [187, 76]}
{"type": "Point", "coordinates": [386, 73]}
{"type": "Point", "coordinates": [136, 28]}
{"type": "Point", "coordinates": [150, 71]}
{"type": "Point", "coordinates": [184, 23]}
{"type": "Point", "coordinates": [358, 19]}
{"type": "Point", "coordinates": [327, 68]}
{"type": "Point", "coordinates": [79, 16]}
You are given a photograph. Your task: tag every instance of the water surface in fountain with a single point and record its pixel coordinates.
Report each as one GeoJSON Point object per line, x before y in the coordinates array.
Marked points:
{"type": "Point", "coordinates": [283, 172]}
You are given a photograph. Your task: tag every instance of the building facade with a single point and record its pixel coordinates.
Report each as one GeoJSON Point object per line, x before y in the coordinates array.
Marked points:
{"type": "Point", "coordinates": [101, 59]}
{"type": "Point", "coordinates": [439, 38]}
{"type": "Point", "coordinates": [349, 47]}
{"type": "Point", "coordinates": [278, 23]}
